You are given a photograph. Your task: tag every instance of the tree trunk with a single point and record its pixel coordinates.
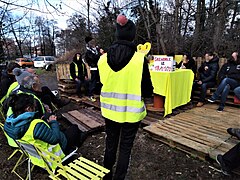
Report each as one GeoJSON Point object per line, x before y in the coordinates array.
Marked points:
{"type": "Point", "coordinates": [146, 25]}
{"type": "Point", "coordinates": [16, 39]}
{"type": "Point", "coordinates": [199, 25]}
{"type": "Point", "coordinates": [219, 25]}
{"type": "Point", "coordinates": [176, 23]}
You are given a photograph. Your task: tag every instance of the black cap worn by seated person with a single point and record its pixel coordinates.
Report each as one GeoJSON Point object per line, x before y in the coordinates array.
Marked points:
{"type": "Point", "coordinates": [125, 29]}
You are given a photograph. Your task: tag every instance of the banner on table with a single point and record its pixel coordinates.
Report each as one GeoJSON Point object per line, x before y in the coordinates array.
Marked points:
{"type": "Point", "coordinates": [163, 63]}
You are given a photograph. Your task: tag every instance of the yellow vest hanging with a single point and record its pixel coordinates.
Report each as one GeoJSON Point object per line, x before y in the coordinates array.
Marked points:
{"type": "Point", "coordinates": [120, 98]}
{"type": "Point", "coordinates": [35, 158]}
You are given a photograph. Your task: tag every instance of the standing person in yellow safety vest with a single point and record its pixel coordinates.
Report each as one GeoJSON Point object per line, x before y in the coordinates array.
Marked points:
{"type": "Point", "coordinates": [78, 73]}
{"type": "Point", "coordinates": [21, 125]}
{"type": "Point", "coordinates": [126, 79]}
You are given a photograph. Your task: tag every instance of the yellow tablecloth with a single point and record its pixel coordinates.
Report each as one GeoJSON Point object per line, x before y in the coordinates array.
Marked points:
{"type": "Point", "coordinates": [175, 86]}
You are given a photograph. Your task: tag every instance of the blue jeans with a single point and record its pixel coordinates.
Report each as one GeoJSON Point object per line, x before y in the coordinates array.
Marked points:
{"type": "Point", "coordinates": [204, 87]}
{"type": "Point", "coordinates": [237, 92]}
{"type": "Point", "coordinates": [223, 90]}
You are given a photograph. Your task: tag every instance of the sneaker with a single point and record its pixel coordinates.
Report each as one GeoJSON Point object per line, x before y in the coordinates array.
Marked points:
{"type": "Point", "coordinates": [211, 100]}
{"type": "Point", "coordinates": [225, 170]}
{"type": "Point", "coordinates": [220, 109]}
{"type": "Point", "coordinates": [199, 104]}
{"type": "Point", "coordinates": [234, 132]}
{"type": "Point", "coordinates": [91, 98]}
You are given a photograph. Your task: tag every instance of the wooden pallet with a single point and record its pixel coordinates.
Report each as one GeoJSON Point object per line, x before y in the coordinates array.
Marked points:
{"type": "Point", "coordinates": [87, 119]}
{"type": "Point", "coordinates": [200, 131]}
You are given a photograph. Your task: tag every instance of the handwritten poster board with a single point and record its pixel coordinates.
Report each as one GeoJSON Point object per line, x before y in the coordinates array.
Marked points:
{"type": "Point", "coordinates": [163, 63]}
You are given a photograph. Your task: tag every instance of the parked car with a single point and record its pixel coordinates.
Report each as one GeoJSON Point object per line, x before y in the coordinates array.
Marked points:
{"type": "Point", "coordinates": [45, 62]}
{"type": "Point", "coordinates": [24, 62]}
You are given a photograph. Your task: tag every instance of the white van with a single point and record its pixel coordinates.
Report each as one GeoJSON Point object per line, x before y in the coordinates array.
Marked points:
{"type": "Point", "coordinates": [43, 61]}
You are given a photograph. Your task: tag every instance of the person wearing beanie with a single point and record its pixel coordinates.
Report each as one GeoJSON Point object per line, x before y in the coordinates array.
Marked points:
{"type": "Point", "coordinates": [126, 80]}
{"type": "Point", "coordinates": [91, 58]}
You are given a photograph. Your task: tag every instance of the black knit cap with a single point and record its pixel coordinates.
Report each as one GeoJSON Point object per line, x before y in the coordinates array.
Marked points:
{"type": "Point", "coordinates": [125, 29]}
{"type": "Point", "coordinates": [88, 38]}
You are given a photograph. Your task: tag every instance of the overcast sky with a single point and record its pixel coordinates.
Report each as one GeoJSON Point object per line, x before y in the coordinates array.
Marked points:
{"type": "Point", "coordinates": [65, 8]}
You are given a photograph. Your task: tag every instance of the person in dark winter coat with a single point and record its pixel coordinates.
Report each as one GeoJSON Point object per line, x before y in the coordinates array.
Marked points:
{"type": "Point", "coordinates": [17, 124]}
{"type": "Point", "coordinates": [7, 78]}
{"type": "Point", "coordinates": [208, 73]}
{"type": "Point", "coordinates": [92, 56]}
{"type": "Point", "coordinates": [118, 96]}
{"type": "Point", "coordinates": [78, 73]}
{"type": "Point", "coordinates": [187, 63]}
{"type": "Point", "coordinates": [229, 76]}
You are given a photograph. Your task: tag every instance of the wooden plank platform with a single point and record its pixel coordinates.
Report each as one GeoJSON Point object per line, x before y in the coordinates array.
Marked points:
{"type": "Point", "coordinates": [199, 131]}
{"type": "Point", "coordinates": [87, 119]}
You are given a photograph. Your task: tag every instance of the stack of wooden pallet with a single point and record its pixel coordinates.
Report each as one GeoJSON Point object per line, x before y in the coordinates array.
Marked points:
{"type": "Point", "coordinates": [87, 119]}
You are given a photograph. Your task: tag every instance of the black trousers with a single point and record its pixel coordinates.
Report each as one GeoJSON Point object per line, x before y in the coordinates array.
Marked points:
{"type": "Point", "coordinates": [74, 138]}
{"type": "Point", "coordinates": [93, 81]}
{"type": "Point", "coordinates": [124, 135]}
{"type": "Point", "coordinates": [232, 157]}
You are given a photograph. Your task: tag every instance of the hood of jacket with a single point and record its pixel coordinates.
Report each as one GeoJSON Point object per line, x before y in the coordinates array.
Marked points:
{"type": "Point", "coordinates": [16, 127]}
{"type": "Point", "coordinates": [120, 53]}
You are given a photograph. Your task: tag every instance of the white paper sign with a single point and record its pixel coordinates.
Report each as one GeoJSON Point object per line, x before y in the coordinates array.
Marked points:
{"type": "Point", "coordinates": [163, 63]}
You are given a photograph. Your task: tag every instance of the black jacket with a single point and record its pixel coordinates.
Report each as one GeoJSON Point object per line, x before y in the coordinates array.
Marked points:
{"type": "Point", "coordinates": [119, 55]}
{"type": "Point", "coordinates": [6, 81]}
{"type": "Point", "coordinates": [210, 74]}
{"type": "Point", "coordinates": [190, 65]}
{"type": "Point", "coordinates": [82, 71]}
{"type": "Point", "coordinates": [92, 56]}
{"type": "Point", "coordinates": [231, 70]}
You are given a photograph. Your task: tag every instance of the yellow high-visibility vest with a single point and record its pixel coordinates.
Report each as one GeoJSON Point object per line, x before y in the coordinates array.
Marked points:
{"type": "Point", "coordinates": [76, 69]}
{"type": "Point", "coordinates": [29, 137]}
{"type": "Point", "coordinates": [120, 97]}
{"type": "Point", "coordinates": [11, 88]}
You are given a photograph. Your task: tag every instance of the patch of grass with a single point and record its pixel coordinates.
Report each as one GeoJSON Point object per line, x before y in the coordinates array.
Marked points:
{"type": "Point", "coordinates": [40, 71]}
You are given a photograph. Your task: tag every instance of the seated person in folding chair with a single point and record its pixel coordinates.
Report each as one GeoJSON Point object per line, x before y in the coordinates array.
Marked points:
{"type": "Point", "coordinates": [230, 79]}
{"type": "Point", "coordinates": [43, 93]}
{"type": "Point", "coordinates": [7, 78]}
{"type": "Point", "coordinates": [29, 83]}
{"type": "Point", "coordinates": [22, 125]}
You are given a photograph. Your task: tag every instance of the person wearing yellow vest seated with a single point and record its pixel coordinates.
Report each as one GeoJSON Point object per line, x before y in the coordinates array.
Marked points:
{"type": "Point", "coordinates": [7, 78]}
{"type": "Point", "coordinates": [21, 125]}
{"type": "Point", "coordinates": [126, 79]}
{"type": "Point", "coordinates": [78, 73]}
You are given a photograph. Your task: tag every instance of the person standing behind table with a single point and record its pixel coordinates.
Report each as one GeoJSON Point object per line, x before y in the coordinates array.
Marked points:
{"type": "Point", "coordinates": [92, 56]}
{"type": "Point", "coordinates": [208, 72]}
{"type": "Point", "coordinates": [230, 79]}
{"type": "Point", "coordinates": [187, 63]}
{"type": "Point", "coordinates": [126, 79]}
{"type": "Point", "coordinates": [78, 73]}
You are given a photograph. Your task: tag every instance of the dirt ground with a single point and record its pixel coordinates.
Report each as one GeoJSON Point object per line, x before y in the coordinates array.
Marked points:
{"type": "Point", "coordinates": [150, 160]}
